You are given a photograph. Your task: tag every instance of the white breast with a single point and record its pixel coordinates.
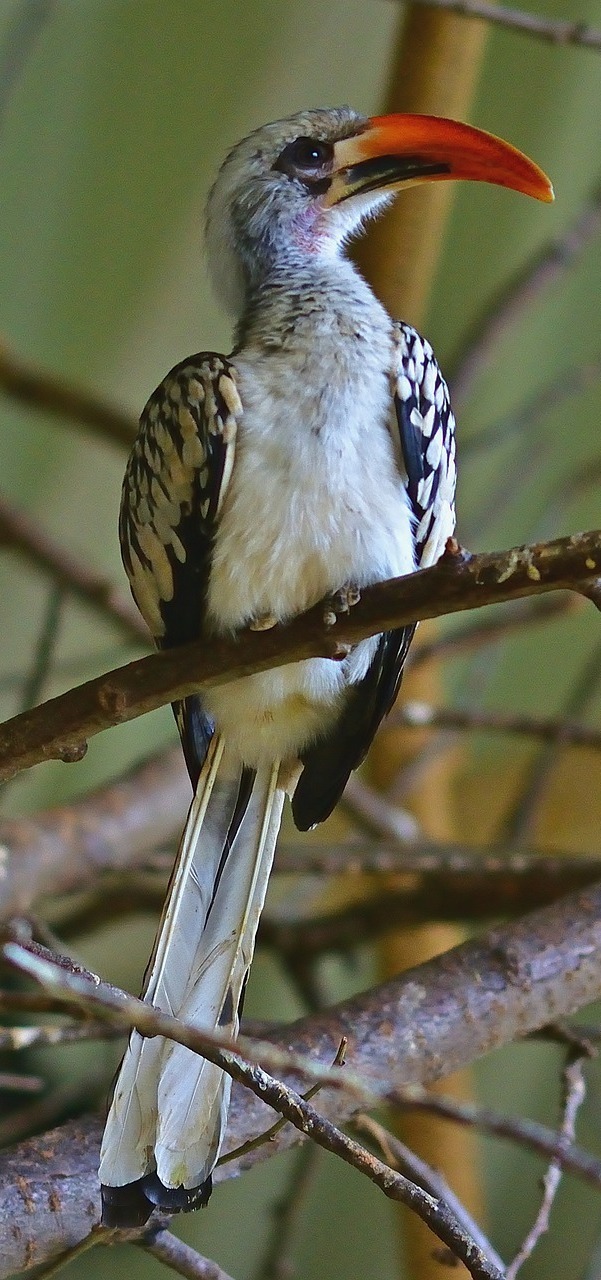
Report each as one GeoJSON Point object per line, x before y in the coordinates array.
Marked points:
{"type": "Point", "coordinates": [315, 501]}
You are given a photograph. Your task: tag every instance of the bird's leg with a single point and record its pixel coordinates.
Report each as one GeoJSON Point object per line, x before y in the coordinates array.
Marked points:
{"type": "Point", "coordinates": [340, 602]}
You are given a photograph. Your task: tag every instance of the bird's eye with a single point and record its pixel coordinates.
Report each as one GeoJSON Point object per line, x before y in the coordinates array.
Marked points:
{"type": "Point", "coordinates": [306, 158]}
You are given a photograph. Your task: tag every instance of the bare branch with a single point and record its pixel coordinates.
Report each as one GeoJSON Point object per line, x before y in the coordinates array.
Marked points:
{"type": "Point", "coordinates": [574, 1093]}
{"type": "Point", "coordinates": [13, 1039]}
{"type": "Point", "coordinates": [421, 898]}
{"type": "Point", "coordinates": [180, 1257]}
{"type": "Point", "coordinates": [434, 1212]}
{"type": "Point", "coordinates": [429, 865]}
{"type": "Point", "coordinates": [400, 1157]}
{"type": "Point", "coordinates": [45, 391]}
{"type": "Point", "coordinates": [554, 31]}
{"type": "Point", "coordinates": [493, 627]}
{"type": "Point", "coordinates": [416, 1028]}
{"type": "Point", "coordinates": [527, 1133]}
{"type": "Point", "coordinates": [13, 1082]}
{"type": "Point", "coordinates": [433, 882]}
{"type": "Point", "coordinates": [59, 729]}
{"type": "Point", "coordinates": [419, 715]}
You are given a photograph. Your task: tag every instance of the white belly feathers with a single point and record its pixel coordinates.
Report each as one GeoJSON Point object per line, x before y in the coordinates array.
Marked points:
{"type": "Point", "coordinates": [315, 501]}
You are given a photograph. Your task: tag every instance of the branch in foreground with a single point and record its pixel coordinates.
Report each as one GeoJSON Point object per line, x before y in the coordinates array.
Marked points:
{"type": "Point", "coordinates": [574, 1092]}
{"type": "Point", "coordinates": [40, 389]}
{"type": "Point", "coordinates": [177, 1255]}
{"type": "Point", "coordinates": [406, 1161]}
{"type": "Point", "coordinates": [422, 1025]}
{"type": "Point", "coordinates": [284, 1100]}
{"type": "Point", "coordinates": [59, 729]}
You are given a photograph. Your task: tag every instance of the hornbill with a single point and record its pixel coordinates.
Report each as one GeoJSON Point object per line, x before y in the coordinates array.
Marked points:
{"type": "Point", "coordinates": [317, 458]}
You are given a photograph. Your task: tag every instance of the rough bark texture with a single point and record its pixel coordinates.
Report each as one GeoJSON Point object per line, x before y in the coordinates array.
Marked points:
{"type": "Point", "coordinates": [416, 1028]}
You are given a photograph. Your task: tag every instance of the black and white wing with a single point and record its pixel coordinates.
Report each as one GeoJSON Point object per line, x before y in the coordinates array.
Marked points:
{"type": "Point", "coordinates": [426, 433]}
{"type": "Point", "coordinates": [174, 486]}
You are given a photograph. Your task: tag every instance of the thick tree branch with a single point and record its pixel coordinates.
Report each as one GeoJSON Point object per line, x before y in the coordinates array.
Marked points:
{"type": "Point", "coordinates": [417, 1028]}
{"type": "Point", "coordinates": [59, 729]}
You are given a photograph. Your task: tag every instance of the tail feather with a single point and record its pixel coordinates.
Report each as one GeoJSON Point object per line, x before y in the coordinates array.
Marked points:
{"type": "Point", "coordinates": [169, 1105]}
{"type": "Point", "coordinates": [193, 1094]}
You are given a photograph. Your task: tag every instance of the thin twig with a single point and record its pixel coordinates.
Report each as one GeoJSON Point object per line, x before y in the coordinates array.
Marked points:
{"type": "Point", "coordinates": [526, 1133]}
{"type": "Point", "coordinates": [268, 1135]}
{"type": "Point", "coordinates": [177, 1255]}
{"type": "Point", "coordinates": [68, 1255]}
{"type": "Point", "coordinates": [443, 883]}
{"type": "Point", "coordinates": [373, 813]}
{"type": "Point", "coordinates": [418, 1026]}
{"type": "Point", "coordinates": [437, 1216]}
{"type": "Point", "coordinates": [412, 1166]}
{"type": "Point", "coordinates": [14, 1039]}
{"type": "Point", "coordinates": [60, 728]}
{"type": "Point", "coordinates": [574, 1089]}
{"type": "Point", "coordinates": [442, 864]}
{"type": "Point", "coordinates": [12, 1082]}
{"type": "Point", "coordinates": [420, 715]}
{"type": "Point", "coordinates": [51, 394]}
{"type": "Point", "coordinates": [553, 30]}
{"type": "Point", "coordinates": [546, 265]}
{"type": "Point", "coordinates": [60, 974]}
{"type": "Point", "coordinates": [149, 1021]}
{"type": "Point", "coordinates": [492, 628]}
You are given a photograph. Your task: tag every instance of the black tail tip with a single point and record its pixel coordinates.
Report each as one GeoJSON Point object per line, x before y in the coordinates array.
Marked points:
{"type": "Point", "coordinates": [132, 1205]}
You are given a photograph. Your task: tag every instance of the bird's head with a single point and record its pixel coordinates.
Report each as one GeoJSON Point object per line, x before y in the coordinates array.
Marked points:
{"type": "Point", "coordinates": [302, 186]}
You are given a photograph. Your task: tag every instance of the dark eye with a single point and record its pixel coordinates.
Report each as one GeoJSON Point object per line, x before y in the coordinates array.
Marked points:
{"type": "Point", "coordinates": [305, 157]}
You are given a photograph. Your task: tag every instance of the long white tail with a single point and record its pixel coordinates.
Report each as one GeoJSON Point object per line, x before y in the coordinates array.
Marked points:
{"type": "Point", "coordinates": [169, 1107]}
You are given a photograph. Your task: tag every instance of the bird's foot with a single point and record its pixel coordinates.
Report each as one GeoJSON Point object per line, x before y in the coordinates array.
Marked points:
{"type": "Point", "coordinates": [340, 602]}
{"type": "Point", "coordinates": [264, 622]}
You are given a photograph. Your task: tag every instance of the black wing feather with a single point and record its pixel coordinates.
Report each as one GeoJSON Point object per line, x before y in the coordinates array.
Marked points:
{"type": "Point", "coordinates": [174, 485]}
